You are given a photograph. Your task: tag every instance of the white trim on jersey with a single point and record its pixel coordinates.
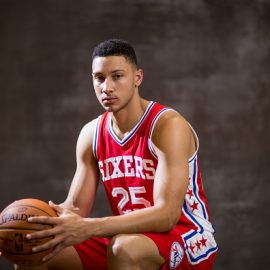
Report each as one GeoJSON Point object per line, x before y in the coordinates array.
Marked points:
{"type": "Point", "coordinates": [150, 144]}
{"type": "Point", "coordinates": [203, 245]}
{"type": "Point", "coordinates": [199, 218]}
{"type": "Point", "coordinates": [196, 188]}
{"type": "Point", "coordinates": [95, 136]}
{"type": "Point", "coordinates": [196, 142]}
{"type": "Point", "coordinates": [133, 131]}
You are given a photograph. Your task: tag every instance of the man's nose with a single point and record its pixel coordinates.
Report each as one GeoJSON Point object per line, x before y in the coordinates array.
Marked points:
{"type": "Point", "coordinates": [107, 86]}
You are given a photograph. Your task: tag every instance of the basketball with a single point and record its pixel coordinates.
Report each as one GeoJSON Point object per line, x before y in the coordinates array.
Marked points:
{"type": "Point", "coordinates": [14, 227]}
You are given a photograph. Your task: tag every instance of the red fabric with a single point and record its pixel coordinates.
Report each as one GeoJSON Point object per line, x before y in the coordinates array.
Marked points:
{"type": "Point", "coordinates": [127, 166]}
{"type": "Point", "coordinates": [93, 252]}
{"type": "Point", "coordinates": [166, 245]}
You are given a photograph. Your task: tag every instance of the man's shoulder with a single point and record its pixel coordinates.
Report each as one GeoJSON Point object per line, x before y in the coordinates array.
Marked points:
{"type": "Point", "coordinates": [89, 128]}
{"type": "Point", "coordinates": [91, 124]}
{"type": "Point", "coordinates": [171, 115]}
{"type": "Point", "coordinates": [171, 122]}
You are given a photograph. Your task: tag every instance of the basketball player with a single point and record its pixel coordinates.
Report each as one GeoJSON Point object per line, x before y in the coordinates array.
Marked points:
{"type": "Point", "coordinates": [146, 156]}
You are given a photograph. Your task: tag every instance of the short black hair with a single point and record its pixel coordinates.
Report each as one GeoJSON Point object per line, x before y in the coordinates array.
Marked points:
{"type": "Point", "coordinates": [115, 47]}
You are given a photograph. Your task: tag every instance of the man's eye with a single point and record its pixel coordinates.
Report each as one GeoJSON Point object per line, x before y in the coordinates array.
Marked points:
{"type": "Point", "coordinates": [99, 78]}
{"type": "Point", "coordinates": [117, 76]}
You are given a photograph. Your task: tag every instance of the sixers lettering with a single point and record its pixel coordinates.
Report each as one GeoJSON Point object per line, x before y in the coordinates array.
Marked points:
{"type": "Point", "coordinates": [126, 166]}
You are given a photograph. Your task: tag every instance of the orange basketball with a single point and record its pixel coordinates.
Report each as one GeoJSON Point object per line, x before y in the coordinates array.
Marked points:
{"type": "Point", "coordinates": [14, 227]}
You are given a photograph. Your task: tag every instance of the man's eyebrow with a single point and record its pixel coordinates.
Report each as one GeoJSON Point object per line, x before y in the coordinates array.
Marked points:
{"type": "Point", "coordinates": [117, 70]}
{"type": "Point", "coordinates": [112, 72]}
{"type": "Point", "coordinates": [96, 73]}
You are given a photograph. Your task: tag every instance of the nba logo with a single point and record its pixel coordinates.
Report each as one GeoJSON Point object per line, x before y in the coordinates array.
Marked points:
{"type": "Point", "coordinates": [18, 242]}
{"type": "Point", "coordinates": [176, 255]}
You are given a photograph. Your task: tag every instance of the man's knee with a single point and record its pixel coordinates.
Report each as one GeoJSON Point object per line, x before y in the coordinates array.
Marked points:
{"type": "Point", "coordinates": [136, 249]}
{"type": "Point", "coordinates": [123, 246]}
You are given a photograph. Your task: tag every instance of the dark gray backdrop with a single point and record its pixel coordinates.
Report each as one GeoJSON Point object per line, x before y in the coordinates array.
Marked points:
{"type": "Point", "coordinates": [207, 59]}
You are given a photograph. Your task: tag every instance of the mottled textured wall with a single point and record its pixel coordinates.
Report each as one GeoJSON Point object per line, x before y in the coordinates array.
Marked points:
{"type": "Point", "coordinates": [208, 59]}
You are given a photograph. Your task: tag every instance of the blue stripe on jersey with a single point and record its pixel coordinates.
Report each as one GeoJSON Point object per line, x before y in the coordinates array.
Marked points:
{"type": "Point", "coordinates": [195, 188]}
{"type": "Point", "coordinates": [151, 148]}
{"type": "Point", "coordinates": [185, 208]}
{"type": "Point", "coordinates": [95, 139]}
{"type": "Point", "coordinates": [192, 158]}
{"type": "Point", "coordinates": [125, 140]}
{"type": "Point", "coordinates": [203, 256]}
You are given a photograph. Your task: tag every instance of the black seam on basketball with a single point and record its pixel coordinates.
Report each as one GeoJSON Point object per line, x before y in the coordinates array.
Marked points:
{"type": "Point", "coordinates": [27, 254]}
{"type": "Point", "coordinates": [26, 205]}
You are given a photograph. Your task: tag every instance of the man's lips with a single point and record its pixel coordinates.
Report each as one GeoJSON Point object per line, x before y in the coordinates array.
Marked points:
{"type": "Point", "coordinates": [108, 99]}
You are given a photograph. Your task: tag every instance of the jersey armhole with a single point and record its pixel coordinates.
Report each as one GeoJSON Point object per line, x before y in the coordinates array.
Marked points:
{"type": "Point", "coordinates": [195, 136]}
{"type": "Point", "coordinates": [150, 144]}
{"type": "Point", "coordinates": [95, 137]}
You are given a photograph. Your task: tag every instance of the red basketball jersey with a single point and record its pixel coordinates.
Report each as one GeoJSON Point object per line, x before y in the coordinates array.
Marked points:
{"type": "Point", "coordinates": [128, 169]}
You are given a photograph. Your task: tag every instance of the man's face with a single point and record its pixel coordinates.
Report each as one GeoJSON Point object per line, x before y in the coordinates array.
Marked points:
{"type": "Point", "coordinates": [115, 81]}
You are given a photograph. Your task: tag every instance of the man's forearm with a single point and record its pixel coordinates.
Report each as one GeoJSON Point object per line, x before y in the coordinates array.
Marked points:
{"type": "Point", "coordinates": [152, 219]}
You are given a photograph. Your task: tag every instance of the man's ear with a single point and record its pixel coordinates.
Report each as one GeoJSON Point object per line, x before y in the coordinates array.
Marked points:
{"type": "Point", "coordinates": [138, 77]}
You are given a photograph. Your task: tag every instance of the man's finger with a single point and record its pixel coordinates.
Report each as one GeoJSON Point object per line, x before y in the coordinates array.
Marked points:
{"type": "Point", "coordinates": [54, 252]}
{"type": "Point", "coordinates": [50, 244]}
{"type": "Point", "coordinates": [56, 207]}
{"type": "Point", "coordinates": [42, 234]}
{"type": "Point", "coordinates": [44, 220]}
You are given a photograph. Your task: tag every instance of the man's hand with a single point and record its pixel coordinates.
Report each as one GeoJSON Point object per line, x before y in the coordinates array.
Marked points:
{"type": "Point", "coordinates": [66, 230]}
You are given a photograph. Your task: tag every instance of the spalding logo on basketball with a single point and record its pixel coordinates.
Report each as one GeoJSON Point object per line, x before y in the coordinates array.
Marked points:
{"type": "Point", "coordinates": [176, 255]}
{"type": "Point", "coordinates": [14, 227]}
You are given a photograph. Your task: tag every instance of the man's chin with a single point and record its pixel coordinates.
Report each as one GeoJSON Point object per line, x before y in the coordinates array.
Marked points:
{"type": "Point", "coordinates": [109, 108]}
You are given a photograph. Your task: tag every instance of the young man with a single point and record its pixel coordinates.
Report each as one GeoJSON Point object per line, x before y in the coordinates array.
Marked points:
{"type": "Point", "coordinates": [146, 155]}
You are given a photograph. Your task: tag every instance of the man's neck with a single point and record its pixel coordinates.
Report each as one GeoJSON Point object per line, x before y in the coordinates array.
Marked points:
{"type": "Point", "coordinates": [125, 120]}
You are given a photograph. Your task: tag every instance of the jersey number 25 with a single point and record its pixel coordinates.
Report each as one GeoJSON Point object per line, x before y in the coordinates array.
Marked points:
{"type": "Point", "coordinates": [128, 195]}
